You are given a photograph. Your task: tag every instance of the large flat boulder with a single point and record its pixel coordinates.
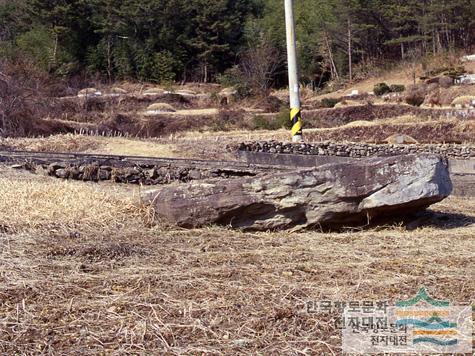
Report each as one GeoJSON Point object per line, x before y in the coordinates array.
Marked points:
{"type": "Point", "coordinates": [331, 195]}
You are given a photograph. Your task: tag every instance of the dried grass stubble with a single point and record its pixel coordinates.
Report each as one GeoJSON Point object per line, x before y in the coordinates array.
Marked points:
{"type": "Point", "coordinates": [103, 282]}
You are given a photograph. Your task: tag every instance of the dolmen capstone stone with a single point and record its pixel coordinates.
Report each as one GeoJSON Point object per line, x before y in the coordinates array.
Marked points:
{"type": "Point", "coordinates": [329, 196]}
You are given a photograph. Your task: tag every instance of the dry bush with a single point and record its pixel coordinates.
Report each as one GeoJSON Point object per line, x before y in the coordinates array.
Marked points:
{"type": "Point", "coordinates": [270, 104]}
{"type": "Point", "coordinates": [258, 66]}
{"type": "Point", "coordinates": [433, 99]}
{"type": "Point", "coordinates": [446, 82]}
{"type": "Point", "coordinates": [228, 120]}
{"type": "Point", "coordinates": [21, 98]}
{"type": "Point", "coordinates": [433, 96]}
{"type": "Point", "coordinates": [26, 96]}
{"type": "Point", "coordinates": [416, 95]}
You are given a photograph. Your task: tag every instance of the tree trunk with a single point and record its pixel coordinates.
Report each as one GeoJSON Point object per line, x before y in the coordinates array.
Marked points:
{"type": "Point", "coordinates": [330, 55]}
{"type": "Point", "coordinates": [55, 49]}
{"type": "Point", "coordinates": [414, 69]}
{"type": "Point", "coordinates": [439, 42]}
{"type": "Point", "coordinates": [205, 72]}
{"type": "Point", "coordinates": [109, 59]}
{"type": "Point", "coordinates": [350, 56]}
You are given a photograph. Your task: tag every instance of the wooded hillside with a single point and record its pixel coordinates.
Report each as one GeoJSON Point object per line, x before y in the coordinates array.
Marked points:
{"type": "Point", "coordinates": [199, 40]}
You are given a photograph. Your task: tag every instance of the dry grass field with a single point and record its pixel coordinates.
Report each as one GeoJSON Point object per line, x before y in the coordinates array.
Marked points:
{"type": "Point", "coordinates": [85, 270]}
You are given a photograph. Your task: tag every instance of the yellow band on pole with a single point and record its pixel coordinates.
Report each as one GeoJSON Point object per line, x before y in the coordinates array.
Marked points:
{"type": "Point", "coordinates": [296, 119]}
{"type": "Point", "coordinates": [297, 129]}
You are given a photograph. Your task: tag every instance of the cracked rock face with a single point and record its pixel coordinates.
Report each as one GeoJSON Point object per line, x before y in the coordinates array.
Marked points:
{"type": "Point", "coordinates": [331, 195]}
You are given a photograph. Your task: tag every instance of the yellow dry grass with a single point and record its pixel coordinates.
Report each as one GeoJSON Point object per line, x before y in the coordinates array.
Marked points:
{"type": "Point", "coordinates": [196, 112]}
{"type": "Point", "coordinates": [82, 272]}
{"type": "Point", "coordinates": [186, 92]}
{"type": "Point", "coordinates": [345, 103]}
{"type": "Point", "coordinates": [93, 144]}
{"type": "Point", "coordinates": [464, 100]}
{"type": "Point", "coordinates": [153, 91]}
{"type": "Point", "coordinates": [164, 107]}
{"type": "Point", "coordinates": [57, 206]}
{"type": "Point", "coordinates": [469, 66]}
{"type": "Point", "coordinates": [130, 147]}
{"type": "Point", "coordinates": [118, 90]}
{"type": "Point", "coordinates": [188, 113]}
{"type": "Point", "coordinates": [56, 143]}
{"type": "Point", "coordinates": [395, 76]}
{"type": "Point", "coordinates": [88, 91]}
{"type": "Point", "coordinates": [405, 119]}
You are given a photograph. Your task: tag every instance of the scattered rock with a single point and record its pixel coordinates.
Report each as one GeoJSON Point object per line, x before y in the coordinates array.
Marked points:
{"type": "Point", "coordinates": [55, 166]}
{"type": "Point", "coordinates": [103, 174]}
{"type": "Point", "coordinates": [331, 195]}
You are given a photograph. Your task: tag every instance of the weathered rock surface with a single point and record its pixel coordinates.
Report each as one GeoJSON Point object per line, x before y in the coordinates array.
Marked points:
{"type": "Point", "coordinates": [331, 195]}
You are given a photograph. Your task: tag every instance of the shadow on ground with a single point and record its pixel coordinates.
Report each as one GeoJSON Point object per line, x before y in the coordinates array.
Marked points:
{"type": "Point", "coordinates": [438, 220]}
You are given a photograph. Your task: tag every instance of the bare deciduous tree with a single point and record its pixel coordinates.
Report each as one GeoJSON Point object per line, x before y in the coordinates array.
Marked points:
{"type": "Point", "coordinates": [258, 66]}
{"type": "Point", "coordinates": [21, 97]}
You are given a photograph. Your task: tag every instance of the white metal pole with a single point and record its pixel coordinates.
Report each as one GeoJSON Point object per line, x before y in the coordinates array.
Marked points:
{"type": "Point", "coordinates": [294, 89]}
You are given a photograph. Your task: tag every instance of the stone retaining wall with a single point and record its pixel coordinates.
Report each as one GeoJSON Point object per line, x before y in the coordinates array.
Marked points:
{"type": "Point", "coordinates": [359, 150]}
{"type": "Point", "coordinates": [138, 174]}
